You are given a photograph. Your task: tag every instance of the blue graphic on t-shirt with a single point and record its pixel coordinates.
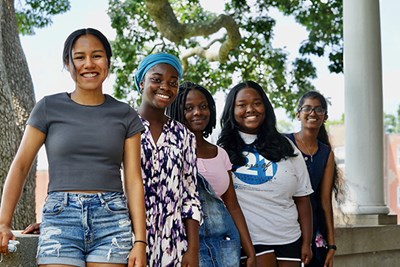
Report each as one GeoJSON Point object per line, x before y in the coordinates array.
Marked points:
{"type": "Point", "coordinates": [257, 169]}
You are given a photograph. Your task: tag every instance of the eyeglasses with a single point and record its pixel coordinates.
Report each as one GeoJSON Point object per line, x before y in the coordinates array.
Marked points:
{"type": "Point", "coordinates": [309, 109]}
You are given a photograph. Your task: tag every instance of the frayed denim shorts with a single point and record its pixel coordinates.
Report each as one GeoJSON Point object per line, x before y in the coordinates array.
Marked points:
{"type": "Point", "coordinates": [78, 228]}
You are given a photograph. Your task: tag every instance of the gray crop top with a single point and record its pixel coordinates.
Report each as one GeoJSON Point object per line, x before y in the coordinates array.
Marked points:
{"type": "Point", "coordinates": [84, 144]}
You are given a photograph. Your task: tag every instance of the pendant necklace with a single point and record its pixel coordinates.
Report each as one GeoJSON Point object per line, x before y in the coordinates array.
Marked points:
{"type": "Point", "coordinates": [308, 151]}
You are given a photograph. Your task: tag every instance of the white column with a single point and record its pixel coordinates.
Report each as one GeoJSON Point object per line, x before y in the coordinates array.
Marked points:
{"type": "Point", "coordinates": [363, 107]}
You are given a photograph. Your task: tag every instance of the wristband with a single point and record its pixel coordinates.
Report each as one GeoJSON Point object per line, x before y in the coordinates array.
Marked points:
{"type": "Point", "coordinates": [331, 247]}
{"type": "Point", "coordinates": [140, 241]}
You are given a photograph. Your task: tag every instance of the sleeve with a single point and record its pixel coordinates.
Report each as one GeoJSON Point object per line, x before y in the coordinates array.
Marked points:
{"type": "Point", "coordinates": [38, 118]}
{"type": "Point", "coordinates": [134, 124]}
{"type": "Point", "coordinates": [304, 187]}
{"type": "Point", "coordinates": [225, 158]}
{"type": "Point", "coordinates": [191, 202]}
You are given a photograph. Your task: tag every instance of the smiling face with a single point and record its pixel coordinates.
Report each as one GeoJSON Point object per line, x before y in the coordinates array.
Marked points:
{"type": "Point", "coordinates": [89, 65]}
{"type": "Point", "coordinates": [313, 119]}
{"type": "Point", "coordinates": [249, 110]}
{"type": "Point", "coordinates": [197, 111]}
{"type": "Point", "coordinates": [160, 86]}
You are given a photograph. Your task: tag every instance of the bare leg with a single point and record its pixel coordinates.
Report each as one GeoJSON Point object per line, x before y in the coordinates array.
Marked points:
{"type": "Point", "coordinates": [289, 263]}
{"type": "Point", "coordinates": [95, 264]}
{"type": "Point", "coordinates": [267, 260]}
{"type": "Point", "coordinates": [91, 264]}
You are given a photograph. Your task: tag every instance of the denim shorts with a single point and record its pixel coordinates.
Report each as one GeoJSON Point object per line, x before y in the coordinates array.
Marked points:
{"type": "Point", "coordinates": [79, 228]}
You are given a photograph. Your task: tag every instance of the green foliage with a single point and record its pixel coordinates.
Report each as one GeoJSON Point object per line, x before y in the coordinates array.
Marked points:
{"type": "Point", "coordinates": [284, 126]}
{"type": "Point", "coordinates": [392, 122]}
{"type": "Point", "coordinates": [33, 14]}
{"type": "Point", "coordinates": [324, 22]}
{"type": "Point", "coordinates": [254, 59]}
{"type": "Point", "coordinates": [335, 122]}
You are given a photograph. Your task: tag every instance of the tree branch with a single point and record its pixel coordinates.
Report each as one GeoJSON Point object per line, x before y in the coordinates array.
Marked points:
{"type": "Point", "coordinates": [167, 23]}
{"type": "Point", "coordinates": [203, 52]}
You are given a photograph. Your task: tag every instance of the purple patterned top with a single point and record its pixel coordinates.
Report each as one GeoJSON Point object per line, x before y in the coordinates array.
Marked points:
{"type": "Point", "coordinates": [169, 176]}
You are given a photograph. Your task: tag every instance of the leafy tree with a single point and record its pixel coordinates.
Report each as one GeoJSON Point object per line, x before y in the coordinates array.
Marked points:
{"type": "Point", "coordinates": [392, 122]}
{"type": "Point", "coordinates": [33, 14]}
{"type": "Point", "coordinates": [17, 97]}
{"type": "Point", "coordinates": [242, 37]}
{"type": "Point", "coordinates": [335, 122]}
{"type": "Point", "coordinates": [398, 120]}
{"type": "Point", "coordinates": [284, 126]}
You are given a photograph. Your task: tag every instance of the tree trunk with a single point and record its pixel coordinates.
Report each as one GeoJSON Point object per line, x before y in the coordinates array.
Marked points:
{"type": "Point", "coordinates": [16, 102]}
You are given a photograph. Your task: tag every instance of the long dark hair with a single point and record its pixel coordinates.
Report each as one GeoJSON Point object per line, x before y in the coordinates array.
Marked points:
{"type": "Point", "coordinates": [338, 182]}
{"type": "Point", "coordinates": [177, 109]}
{"type": "Point", "coordinates": [269, 143]}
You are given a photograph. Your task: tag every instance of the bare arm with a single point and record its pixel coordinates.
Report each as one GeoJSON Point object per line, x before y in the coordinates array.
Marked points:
{"type": "Point", "coordinates": [30, 144]}
{"type": "Point", "coordinates": [133, 185]}
{"type": "Point", "coordinates": [191, 256]}
{"type": "Point", "coordinates": [303, 205]}
{"type": "Point", "coordinates": [326, 203]}
{"type": "Point", "coordinates": [234, 209]}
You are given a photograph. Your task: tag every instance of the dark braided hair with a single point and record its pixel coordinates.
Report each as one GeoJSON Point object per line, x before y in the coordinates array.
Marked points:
{"type": "Point", "coordinates": [177, 109]}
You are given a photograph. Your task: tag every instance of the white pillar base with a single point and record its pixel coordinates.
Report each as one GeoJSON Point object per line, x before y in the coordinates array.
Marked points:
{"type": "Point", "coordinates": [352, 208]}
{"type": "Point", "coordinates": [347, 220]}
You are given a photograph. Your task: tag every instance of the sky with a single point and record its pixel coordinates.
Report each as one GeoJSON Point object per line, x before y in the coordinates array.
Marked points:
{"type": "Point", "coordinates": [44, 49]}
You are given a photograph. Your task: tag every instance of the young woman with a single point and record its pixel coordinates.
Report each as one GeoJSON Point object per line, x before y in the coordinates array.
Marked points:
{"type": "Point", "coordinates": [168, 167]}
{"type": "Point", "coordinates": [219, 236]}
{"type": "Point", "coordinates": [88, 135]}
{"type": "Point", "coordinates": [270, 178]}
{"type": "Point", "coordinates": [313, 142]}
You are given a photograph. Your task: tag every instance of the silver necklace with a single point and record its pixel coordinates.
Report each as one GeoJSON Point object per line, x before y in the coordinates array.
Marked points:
{"type": "Point", "coordinates": [308, 151]}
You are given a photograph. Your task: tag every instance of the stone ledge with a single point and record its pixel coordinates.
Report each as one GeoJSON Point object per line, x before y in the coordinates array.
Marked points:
{"type": "Point", "coordinates": [364, 239]}
{"type": "Point", "coordinates": [367, 246]}
{"type": "Point", "coordinates": [365, 220]}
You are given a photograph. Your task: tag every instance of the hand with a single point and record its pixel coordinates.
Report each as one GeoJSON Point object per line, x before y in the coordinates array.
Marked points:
{"type": "Point", "coordinates": [190, 258]}
{"type": "Point", "coordinates": [137, 256]}
{"type": "Point", "coordinates": [306, 253]}
{"type": "Point", "coordinates": [251, 261]}
{"type": "Point", "coordinates": [5, 236]}
{"type": "Point", "coordinates": [329, 258]}
{"type": "Point", "coordinates": [33, 228]}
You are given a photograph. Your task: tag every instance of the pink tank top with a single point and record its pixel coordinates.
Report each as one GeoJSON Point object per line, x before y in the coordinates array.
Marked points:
{"type": "Point", "coordinates": [215, 171]}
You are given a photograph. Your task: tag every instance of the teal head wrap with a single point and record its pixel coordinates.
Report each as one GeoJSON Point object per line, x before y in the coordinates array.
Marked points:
{"type": "Point", "coordinates": [154, 59]}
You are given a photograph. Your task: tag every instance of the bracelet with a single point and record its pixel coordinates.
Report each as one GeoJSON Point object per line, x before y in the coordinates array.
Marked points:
{"type": "Point", "coordinates": [331, 247]}
{"type": "Point", "coordinates": [140, 241]}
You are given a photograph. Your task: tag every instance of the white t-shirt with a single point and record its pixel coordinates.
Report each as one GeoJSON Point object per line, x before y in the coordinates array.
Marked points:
{"type": "Point", "coordinates": [265, 191]}
{"type": "Point", "coordinates": [215, 171]}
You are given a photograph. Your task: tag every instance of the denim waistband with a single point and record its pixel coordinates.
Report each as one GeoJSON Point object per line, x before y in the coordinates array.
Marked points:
{"type": "Point", "coordinates": [84, 197]}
